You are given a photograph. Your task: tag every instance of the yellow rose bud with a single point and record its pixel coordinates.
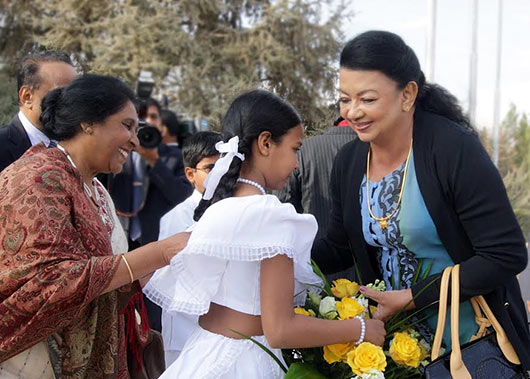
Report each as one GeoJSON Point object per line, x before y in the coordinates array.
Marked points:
{"type": "Point", "coordinates": [405, 350]}
{"type": "Point", "coordinates": [337, 352]}
{"type": "Point", "coordinates": [366, 357]}
{"type": "Point", "coordinates": [343, 288]}
{"type": "Point", "coordinates": [302, 311]}
{"type": "Point", "coordinates": [349, 308]}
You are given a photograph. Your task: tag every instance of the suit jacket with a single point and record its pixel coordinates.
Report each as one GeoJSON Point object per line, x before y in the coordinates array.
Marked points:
{"type": "Point", "coordinates": [165, 187]}
{"type": "Point", "coordinates": [467, 201]}
{"type": "Point", "coordinates": [14, 142]}
{"type": "Point", "coordinates": [308, 186]}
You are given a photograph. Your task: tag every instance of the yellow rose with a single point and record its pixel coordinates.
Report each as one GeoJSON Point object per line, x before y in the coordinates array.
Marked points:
{"type": "Point", "coordinates": [343, 288]}
{"type": "Point", "coordinates": [337, 352]}
{"type": "Point", "coordinates": [405, 350]}
{"type": "Point", "coordinates": [302, 311]}
{"type": "Point", "coordinates": [366, 357]}
{"type": "Point", "coordinates": [349, 308]}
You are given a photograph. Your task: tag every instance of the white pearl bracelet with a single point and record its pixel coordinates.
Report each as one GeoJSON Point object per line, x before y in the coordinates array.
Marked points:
{"type": "Point", "coordinates": [363, 330]}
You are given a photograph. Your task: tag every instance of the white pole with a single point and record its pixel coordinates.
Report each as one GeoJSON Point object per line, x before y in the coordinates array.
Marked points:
{"type": "Point", "coordinates": [497, 102]}
{"type": "Point", "coordinates": [431, 41]}
{"type": "Point", "coordinates": [473, 62]}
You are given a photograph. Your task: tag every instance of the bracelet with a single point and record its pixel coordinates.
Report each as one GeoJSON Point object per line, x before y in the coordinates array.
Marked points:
{"type": "Point", "coordinates": [128, 267]}
{"type": "Point", "coordinates": [363, 330]}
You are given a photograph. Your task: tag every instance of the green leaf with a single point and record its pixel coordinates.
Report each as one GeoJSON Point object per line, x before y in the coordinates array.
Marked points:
{"type": "Point", "coordinates": [417, 273]}
{"type": "Point", "coordinates": [264, 348]}
{"type": "Point", "coordinates": [302, 371]}
{"type": "Point", "coordinates": [318, 272]}
{"type": "Point", "coordinates": [403, 309]}
{"type": "Point", "coordinates": [358, 278]}
{"type": "Point", "coordinates": [427, 270]}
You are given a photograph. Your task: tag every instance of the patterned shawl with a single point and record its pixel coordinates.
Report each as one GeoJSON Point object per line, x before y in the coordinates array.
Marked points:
{"type": "Point", "coordinates": [55, 261]}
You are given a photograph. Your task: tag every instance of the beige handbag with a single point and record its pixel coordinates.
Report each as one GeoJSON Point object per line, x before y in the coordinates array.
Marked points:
{"type": "Point", "coordinates": [487, 354]}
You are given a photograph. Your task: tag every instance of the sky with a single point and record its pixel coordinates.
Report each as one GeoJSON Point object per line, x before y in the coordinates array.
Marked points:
{"type": "Point", "coordinates": [409, 19]}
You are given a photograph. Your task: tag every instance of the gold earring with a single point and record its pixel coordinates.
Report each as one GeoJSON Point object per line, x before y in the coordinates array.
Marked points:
{"type": "Point", "coordinates": [406, 108]}
{"type": "Point", "coordinates": [88, 130]}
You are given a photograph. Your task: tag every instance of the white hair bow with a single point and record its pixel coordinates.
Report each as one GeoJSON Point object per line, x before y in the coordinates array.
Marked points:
{"type": "Point", "coordinates": [228, 151]}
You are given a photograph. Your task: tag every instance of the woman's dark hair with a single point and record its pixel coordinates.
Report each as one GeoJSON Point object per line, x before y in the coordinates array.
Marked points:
{"type": "Point", "coordinates": [89, 98]}
{"type": "Point", "coordinates": [251, 114]}
{"type": "Point", "coordinates": [387, 52]}
{"type": "Point", "coordinates": [199, 146]}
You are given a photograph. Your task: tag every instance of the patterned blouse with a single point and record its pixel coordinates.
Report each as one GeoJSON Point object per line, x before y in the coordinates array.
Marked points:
{"type": "Point", "coordinates": [409, 242]}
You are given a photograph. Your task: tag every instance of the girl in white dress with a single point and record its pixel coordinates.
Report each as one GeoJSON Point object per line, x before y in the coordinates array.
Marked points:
{"type": "Point", "coordinates": [247, 262]}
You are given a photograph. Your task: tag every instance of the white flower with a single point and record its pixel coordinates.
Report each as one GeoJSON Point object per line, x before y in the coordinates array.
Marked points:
{"type": "Point", "coordinates": [327, 307]}
{"type": "Point", "coordinates": [364, 302]}
{"type": "Point", "coordinates": [373, 374]}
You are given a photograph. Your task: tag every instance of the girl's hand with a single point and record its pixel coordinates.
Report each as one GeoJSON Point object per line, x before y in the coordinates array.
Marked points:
{"type": "Point", "coordinates": [389, 302]}
{"type": "Point", "coordinates": [375, 332]}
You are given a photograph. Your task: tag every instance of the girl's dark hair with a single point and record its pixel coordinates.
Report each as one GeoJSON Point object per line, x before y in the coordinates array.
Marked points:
{"type": "Point", "coordinates": [387, 52]}
{"type": "Point", "coordinates": [89, 98]}
{"type": "Point", "coordinates": [251, 114]}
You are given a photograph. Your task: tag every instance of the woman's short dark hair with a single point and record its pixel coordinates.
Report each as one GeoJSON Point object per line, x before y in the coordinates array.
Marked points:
{"type": "Point", "coordinates": [199, 146]}
{"type": "Point", "coordinates": [388, 53]}
{"type": "Point", "coordinates": [88, 99]}
{"type": "Point", "coordinates": [249, 115]}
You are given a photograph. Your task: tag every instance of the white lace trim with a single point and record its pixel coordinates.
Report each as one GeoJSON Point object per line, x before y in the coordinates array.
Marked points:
{"type": "Point", "coordinates": [188, 297]}
{"type": "Point", "coordinates": [186, 293]}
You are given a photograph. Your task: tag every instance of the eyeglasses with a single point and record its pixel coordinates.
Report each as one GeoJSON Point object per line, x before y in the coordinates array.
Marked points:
{"type": "Point", "coordinates": [206, 168]}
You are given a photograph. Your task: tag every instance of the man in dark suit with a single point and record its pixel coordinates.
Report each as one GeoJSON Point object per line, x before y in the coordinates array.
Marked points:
{"type": "Point", "coordinates": [37, 74]}
{"type": "Point", "coordinates": [159, 175]}
{"type": "Point", "coordinates": [308, 186]}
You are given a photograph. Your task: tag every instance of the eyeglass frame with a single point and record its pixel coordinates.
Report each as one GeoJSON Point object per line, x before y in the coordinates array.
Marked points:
{"type": "Point", "coordinates": [205, 169]}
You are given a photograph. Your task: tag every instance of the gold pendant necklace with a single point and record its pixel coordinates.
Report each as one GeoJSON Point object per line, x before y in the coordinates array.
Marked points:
{"type": "Point", "coordinates": [383, 221]}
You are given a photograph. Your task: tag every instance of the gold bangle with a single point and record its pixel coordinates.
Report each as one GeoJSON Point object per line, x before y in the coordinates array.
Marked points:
{"type": "Point", "coordinates": [128, 267]}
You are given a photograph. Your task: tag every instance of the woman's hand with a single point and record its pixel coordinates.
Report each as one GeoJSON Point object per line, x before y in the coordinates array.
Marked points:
{"type": "Point", "coordinates": [389, 302]}
{"type": "Point", "coordinates": [375, 332]}
{"type": "Point", "coordinates": [173, 245]}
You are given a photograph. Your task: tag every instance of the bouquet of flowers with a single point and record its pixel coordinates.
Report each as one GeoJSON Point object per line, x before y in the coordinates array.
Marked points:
{"type": "Point", "coordinates": [402, 355]}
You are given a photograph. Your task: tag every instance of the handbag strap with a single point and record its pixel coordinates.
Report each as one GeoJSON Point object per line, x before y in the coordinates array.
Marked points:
{"type": "Point", "coordinates": [502, 339]}
{"type": "Point", "coordinates": [458, 369]}
{"type": "Point", "coordinates": [442, 312]}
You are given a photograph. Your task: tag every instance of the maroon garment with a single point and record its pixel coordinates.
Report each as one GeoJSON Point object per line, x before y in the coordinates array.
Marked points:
{"type": "Point", "coordinates": [55, 261]}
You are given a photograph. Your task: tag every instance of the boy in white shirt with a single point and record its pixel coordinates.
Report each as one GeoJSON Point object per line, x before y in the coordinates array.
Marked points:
{"type": "Point", "coordinates": [200, 156]}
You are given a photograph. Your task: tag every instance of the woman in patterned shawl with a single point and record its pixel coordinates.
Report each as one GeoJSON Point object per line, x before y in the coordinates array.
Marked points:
{"type": "Point", "coordinates": [62, 282]}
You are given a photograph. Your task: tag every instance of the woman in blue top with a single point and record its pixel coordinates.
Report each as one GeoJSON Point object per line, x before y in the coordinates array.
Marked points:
{"type": "Point", "coordinates": [417, 188]}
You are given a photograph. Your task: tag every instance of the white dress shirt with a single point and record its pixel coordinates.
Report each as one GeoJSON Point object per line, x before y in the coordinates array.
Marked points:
{"type": "Point", "coordinates": [35, 135]}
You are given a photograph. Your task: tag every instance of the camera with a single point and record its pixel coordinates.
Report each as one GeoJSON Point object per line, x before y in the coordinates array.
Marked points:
{"type": "Point", "coordinates": [148, 135]}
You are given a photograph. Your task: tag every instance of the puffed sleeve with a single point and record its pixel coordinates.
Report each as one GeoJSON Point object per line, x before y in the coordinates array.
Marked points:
{"type": "Point", "coordinates": [235, 229]}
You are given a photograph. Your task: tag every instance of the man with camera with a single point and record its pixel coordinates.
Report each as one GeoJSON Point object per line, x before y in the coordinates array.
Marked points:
{"type": "Point", "coordinates": [152, 180]}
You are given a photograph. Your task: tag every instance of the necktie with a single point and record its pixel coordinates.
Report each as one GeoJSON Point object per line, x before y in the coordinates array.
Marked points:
{"type": "Point", "coordinates": [138, 167]}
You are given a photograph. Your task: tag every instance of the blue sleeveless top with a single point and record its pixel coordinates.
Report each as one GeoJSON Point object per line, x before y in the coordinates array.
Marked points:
{"type": "Point", "coordinates": [409, 238]}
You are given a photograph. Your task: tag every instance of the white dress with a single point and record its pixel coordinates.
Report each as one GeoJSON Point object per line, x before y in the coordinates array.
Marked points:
{"type": "Point", "coordinates": [221, 264]}
{"type": "Point", "coordinates": [176, 328]}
